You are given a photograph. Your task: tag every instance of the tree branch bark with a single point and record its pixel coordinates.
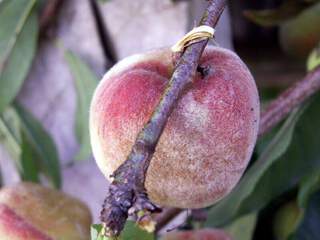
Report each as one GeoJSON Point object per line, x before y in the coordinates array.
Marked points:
{"type": "Point", "coordinates": [49, 15]}
{"type": "Point", "coordinates": [279, 108]}
{"type": "Point", "coordinates": [127, 189]}
{"type": "Point", "coordinates": [275, 112]}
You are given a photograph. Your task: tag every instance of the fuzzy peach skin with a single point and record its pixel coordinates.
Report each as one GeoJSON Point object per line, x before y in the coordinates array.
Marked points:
{"type": "Point", "coordinates": [203, 234]}
{"type": "Point", "coordinates": [208, 139]}
{"type": "Point", "coordinates": [32, 212]}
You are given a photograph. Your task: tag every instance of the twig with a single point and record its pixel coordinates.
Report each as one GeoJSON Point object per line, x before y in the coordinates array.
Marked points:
{"type": "Point", "coordinates": [166, 216]}
{"type": "Point", "coordinates": [127, 189]}
{"type": "Point", "coordinates": [276, 111]}
{"type": "Point", "coordinates": [104, 35]}
{"type": "Point", "coordinates": [49, 14]}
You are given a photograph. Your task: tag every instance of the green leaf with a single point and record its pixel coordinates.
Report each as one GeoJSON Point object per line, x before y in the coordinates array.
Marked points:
{"type": "Point", "coordinates": [85, 82]}
{"type": "Point", "coordinates": [271, 173]}
{"type": "Point", "coordinates": [314, 59]}
{"type": "Point", "coordinates": [18, 39]}
{"type": "Point", "coordinates": [29, 144]}
{"type": "Point", "coordinates": [97, 232]}
{"type": "Point", "coordinates": [42, 145]}
{"type": "Point", "coordinates": [308, 228]}
{"type": "Point", "coordinates": [28, 161]}
{"type": "Point", "coordinates": [10, 135]}
{"type": "Point", "coordinates": [286, 220]}
{"type": "Point", "coordinates": [130, 232]}
{"type": "Point", "coordinates": [243, 227]}
{"type": "Point", "coordinates": [274, 17]}
{"type": "Point", "coordinates": [309, 184]}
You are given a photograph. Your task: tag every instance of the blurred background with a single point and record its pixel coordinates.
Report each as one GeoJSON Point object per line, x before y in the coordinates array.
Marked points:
{"type": "Point", "coordinates": [54, 52]}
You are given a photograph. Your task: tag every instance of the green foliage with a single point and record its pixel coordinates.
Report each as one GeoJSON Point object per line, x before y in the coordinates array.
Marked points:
{"type": "Point", "coordinates": [308, 228]}
{"type": "Point", "coordinates": [30, 145]}
{"type": "Point", "coordinates": [314, 59]}
{"type": "Point", "coordinates": [85, 82]}
{"type": "Point", "coordinates": [298, 36]}
{"type": "Point", "coordinates": [18, 38]}
{"type": "Point", "coordinates": [309, 184]}
{"type": "Point", "coordinates": [286, 220]}
{"type": "Point", "coordinates": [274, 17]}
{"type": "Point", "coordinates": [103, 1]}
{"type": "Point", "coordinates": [243, 227]}
{"type": "Point", "coordinates": [130, 232]}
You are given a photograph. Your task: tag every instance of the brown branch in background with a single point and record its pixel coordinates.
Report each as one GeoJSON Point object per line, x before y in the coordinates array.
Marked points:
{"type": "Point", "coordinates": [104, 36]}
{"type": "Point", "coordinates": [49, 14]}
{"type": "Point", "coordinates": [127, 189]}
{"type": "Point", "coordinates": [279, 108]}
{"type": "Point", "coordinates": [275, 112]}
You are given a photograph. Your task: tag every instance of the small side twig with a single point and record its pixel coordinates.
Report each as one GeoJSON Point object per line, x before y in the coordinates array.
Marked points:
{"type": "Point", "coordinates": [275, 112]}
{"type": "Point", "coordinates": [166, 216]}
{"type": "Point", "coordinates": [127, 189]}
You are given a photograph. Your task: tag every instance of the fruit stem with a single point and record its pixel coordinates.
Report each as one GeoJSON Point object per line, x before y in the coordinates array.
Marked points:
{"type": "Point", "coordinates": [127, 189]}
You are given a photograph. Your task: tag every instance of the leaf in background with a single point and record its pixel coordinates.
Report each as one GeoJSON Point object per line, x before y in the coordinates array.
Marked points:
{"type": "Point", "coordinates": [18, 39]}
{"type": "Point", "coordinates": [274, 17]}
{"type": "Point", "coordinates": [28, 161]}
{"type": "Point", "coordinates": [286, 220]}
{"type": "Point", "coordinates": [243, 227]}
{"type": "Point", "coordinates": [309, 185]}
{"type": "Point", "coordinates": [42, 145]}
{"type": "Point", "coordinates": [97, 232]}
{"type": "Point", "coordinates": [86, 82]}
{"type": "Point", "coordinates": [308, 228]}
{"type": "Point", "coordinates": [300, 35]}
{"type": "Point", "coordinates": [17, 146]}
{"type": "Point", "coordinates": [130, 232]}
{"type": "Point", "coordinates": [10, 135]}
{"type": "Point", "coordinates": [314, 59]}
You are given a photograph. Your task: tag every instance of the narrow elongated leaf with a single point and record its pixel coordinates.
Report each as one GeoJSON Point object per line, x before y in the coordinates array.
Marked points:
{"type": "Point", "coordinates": [42, 145]}
{"type": "Point", "coordinates": [274, 17]}
{"type": "Point", "coordinates": [10, 135]}
{"type": "Point", "coordinates": [287, 219]}
{"type": "Point", "coordinates": [309, 184]}
{"type": "Point", "coordinates": [309, 226]}
{"type": "Point", "coordinates": [29, 162]}
{"type": "Point", "coordinates": [314, 59]}
{"type": "Point", "coordinates": [85, 82]}
{"type": "Point", "coordinates": [276, 171]}
{"type": "Point", "coordinates": [18, 38]}
{"type": "Point", "coordinates": [243, 227]}
{"type": "Point", "coordinates": [29, 144]}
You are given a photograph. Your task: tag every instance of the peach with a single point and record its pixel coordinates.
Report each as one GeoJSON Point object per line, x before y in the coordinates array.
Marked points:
{"type": "Point", "coordinates": [208, 139]}
{"type": "Point", "coordinates": [30, 211]}
{"type": "Point", "coordinates": [203, 234]}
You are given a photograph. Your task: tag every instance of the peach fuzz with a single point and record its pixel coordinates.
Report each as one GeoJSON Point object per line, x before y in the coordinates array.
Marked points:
{"type": "Point", "coordinates": [203, 234]}
{"type": "Point", "coordinates": [208, 139]}
{"type": "Point", "coordinates": [30, 211]}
